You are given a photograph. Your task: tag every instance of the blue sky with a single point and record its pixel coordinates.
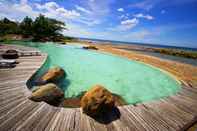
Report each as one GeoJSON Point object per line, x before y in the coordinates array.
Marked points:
{"type": "Point", "coordinates": [164, 22]}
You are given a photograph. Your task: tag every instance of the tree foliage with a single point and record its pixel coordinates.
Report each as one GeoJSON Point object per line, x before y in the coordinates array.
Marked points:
{"type": "Point", "coordinates": [47, 28]}
{"type": "Point", "coordinates": [8, 27]}
{"type": "Point", "coordinates": [42, 28]}
{"type": "Point", "coordinates": [26, 26]}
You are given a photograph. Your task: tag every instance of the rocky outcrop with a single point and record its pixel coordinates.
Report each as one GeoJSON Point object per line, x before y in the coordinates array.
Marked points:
{"type": "Point", "coordinates": [97, 101]}
{"type": "Point", "coordinates": [90, 47]}
{"type": "Point", "coordinates": [10, 54]}
{"type": "Point", "coordinates": [74, 102]}
{"type": "Point", "coordinates": [52, 75]}
{"type": "Point", "coordinates": [49, 93]}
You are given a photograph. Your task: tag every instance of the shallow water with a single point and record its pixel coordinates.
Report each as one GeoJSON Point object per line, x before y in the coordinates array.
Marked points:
{"type": "Point", "coordinates": [135, 82]}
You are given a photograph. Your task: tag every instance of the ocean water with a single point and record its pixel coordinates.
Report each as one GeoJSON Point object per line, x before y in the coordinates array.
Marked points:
{"type": "Point", "coordinates": [135, 82]}
{"type": "Point", "coordinates": [98, 41]}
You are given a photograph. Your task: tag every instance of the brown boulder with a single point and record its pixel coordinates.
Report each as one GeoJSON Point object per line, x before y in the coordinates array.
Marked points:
{"type": "Point", "coordinates": [49, 93]}
{"type": "Point", "coordinates": [74, 102]}
{"type": "Point", "coordinates": [97, 101]}
{"type": "Point", "coordinates": [53, 74]}
{"type": "Point", "coordinates": [90, 47]}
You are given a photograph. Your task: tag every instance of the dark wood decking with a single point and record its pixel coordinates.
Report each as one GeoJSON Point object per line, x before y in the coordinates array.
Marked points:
{"type": "Point", "coordinates": [19, 113]}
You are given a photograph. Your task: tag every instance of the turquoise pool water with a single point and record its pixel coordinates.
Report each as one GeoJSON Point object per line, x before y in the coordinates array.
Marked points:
{"type": "Point", "coordinates": [135, 82]}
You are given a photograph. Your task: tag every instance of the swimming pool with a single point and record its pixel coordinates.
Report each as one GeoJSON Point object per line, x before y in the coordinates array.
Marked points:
{"type": "Point", "coordinates": [135, 82]}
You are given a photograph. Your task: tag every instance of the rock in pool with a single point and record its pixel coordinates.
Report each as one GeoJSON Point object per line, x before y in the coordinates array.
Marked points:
{"type": "Point", "coordinates": [52, 75]}
{"type": "Point", "coordinates": [97, 101]}
{"type": "Point", "coordinates": [49, 93]}
{"type": "Point", "coordinates": [74, 102]}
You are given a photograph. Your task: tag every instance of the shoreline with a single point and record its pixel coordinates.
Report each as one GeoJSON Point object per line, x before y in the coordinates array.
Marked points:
{"type": "Point", "coordinates": [187, 53]}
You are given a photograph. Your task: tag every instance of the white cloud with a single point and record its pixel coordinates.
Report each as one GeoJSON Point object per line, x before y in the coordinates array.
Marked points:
{"type": "Point", "coordinates": [17, 11]}
{"type": "Point", "coordinates": [120, 10]}
{"type": "Point", "coordinates": [130, 21]}
{"type": "Point", "coordinates": [94, 13]}
{"type": "Point", "coordinates": [51, 5]}
{"type": "Point", "coordinates": [89, 22]}
{"type": "Point", "coordinates": [128, 24]}
{"type": "Point", "coordinates": [52, 9]}
{"type": "Point", "coordinates": [125, 25]}
{"type": "Point", "coordinates": [70, 14]}
{"type": "Point", "coordinates": [47, 6]}
{"type": "Point", "coordinates": [140, 15]}
{"type": "Point", "coordinates": [82, 9]}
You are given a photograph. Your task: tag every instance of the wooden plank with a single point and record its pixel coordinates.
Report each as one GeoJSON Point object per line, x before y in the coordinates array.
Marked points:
{"type": "Point", "coordinates": [34, 119]}
{"type": "Point", "coordinates": [26, 116]}
{"type": "Point", "coordinates": [42, 124]}
{"type": "Point", "coordinates": [58, 121]}
{"type": "Point", "coordinates": [130, 121]}
{"type": "Point", "coordinates": [8, 91]}
{"type": "Point", "coordinates": [168, 118]}
{"type": "Point", "coordinates": [184, 104]}
{"type": "Point", "coordinates": [12, 118]}
{"type": "Point", "coordinates": [12, 82]}
{"type": "Point", "coordinates": [5, 108]}
{"type": "Point", "coordinates": [15, 76]}
{"type": "Point", "coordinates": [161, 119]}
{"type": "Point", "coordinates": [68, 119]}
{"type": "Point", "coordinates": [10, 85]}
{"type": "Point", "coordinates": [14, 110]}
{"type": "Point", "coordinates": [14, 95]}
{"type": "Point", "coordinates": [52, 124]}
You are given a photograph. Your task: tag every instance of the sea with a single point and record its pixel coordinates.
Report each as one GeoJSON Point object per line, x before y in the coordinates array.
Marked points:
{"type": "Point", "coordinates": [140, 44]}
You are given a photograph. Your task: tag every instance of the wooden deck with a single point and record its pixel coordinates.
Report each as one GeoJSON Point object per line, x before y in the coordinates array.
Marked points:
{"type": "Point", "coordinates": [18, 113]}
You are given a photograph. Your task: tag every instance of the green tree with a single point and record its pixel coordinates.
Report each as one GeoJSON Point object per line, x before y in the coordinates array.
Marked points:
{"type": "Point", "coordinates": [8, 27]}
{"type": "Point", "coordinates": [42, 29]}
{"type": "Point", "coordinates": [47, 29]}
{"type": "Point", "coordinates": [26, 26]}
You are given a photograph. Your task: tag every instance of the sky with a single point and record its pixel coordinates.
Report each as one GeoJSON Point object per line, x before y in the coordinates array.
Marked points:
{"type": "Point", "coordinates": [165, 22]}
